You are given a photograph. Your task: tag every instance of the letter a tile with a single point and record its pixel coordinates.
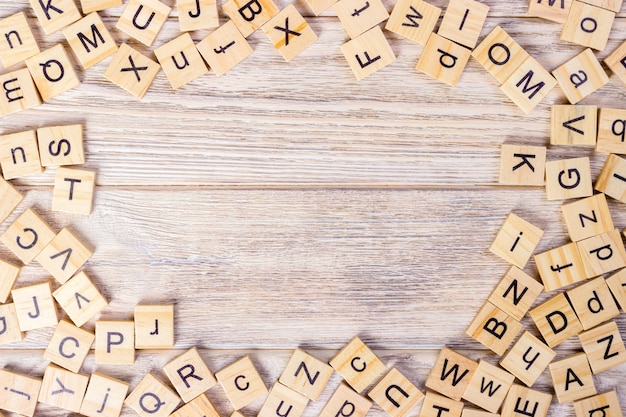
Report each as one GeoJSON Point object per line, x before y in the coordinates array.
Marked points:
{"type": "Point", "coordinates": [368, 53]}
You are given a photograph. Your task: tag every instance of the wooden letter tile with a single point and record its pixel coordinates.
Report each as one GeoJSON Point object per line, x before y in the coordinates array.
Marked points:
{"type": "Point", "coordinates": [19, 155]}
{"type": "Point", "coordinates": [494, 328]}
{"type": "Point", "coordinates": [528, 85]}
{"type": "Point", "coordinates": [64, 256]}
{"type": "Point", "coordinates": [52, 72]}
{"type": "Point", "coordinates": [572, 378]}
{"type": "Point", "coordinates": [20, 92]}
{"type": "Point", "coordinates": [604, 347]}
{"type": "Point", "coordinates": [451, 374]}
{"type": "Point", "coordinates": [560, 266]}
{"type": "Point", "coordinates": [522, 165]}
{"type": "Point", "coordinates": [580, 76]}
{"type": "Point", "coordinates": [189, 375]}
{"type": "Point", "coordinates": [499, 54]}
{"type": "Point", "coordinates": [568, 178]}
{"type": "Point", "coordinates": [89, 6]}
{"type": "Point", "coordinates": [612, 131]}
{"type": "Point", "coordinates": [8, 277]}
{"type": "Point", "coordinates": [617, 285]}
{"type": "Point", "coordinates": [346, 402]}
{"type": "Point", "coordinates": [527, 359]}
{"type": "Point", "coordinates": [27, 236]}
{"type": "Point", "coordinates": [63, 389]}
{"type": "Point", "coordinates": [55, 14]}
{"type": "Point", "coordinates": [556, 11]}
{"type": "Point", "coordinates": [224, 48]}
{"type": "Point", "coordinates": [249, 15]}
{"type": "Point", "coordinates": [616, 62]}
{"type": "Point", "coordinates": [306, 374]}
{"type": "Point", "coordinates": [283, 401]}
{"type": "Point", "coordinates": [181, 61]}
{"type": "Point", "coordinates": [69, 346]}
{"type": "Point", "coordinates": [115, 342]}
{"type": "Point", "coordinates": [201, 406]}
{"type": "Point", "coordinates": [143, 19]}
{"type": "Point", "coordinates": [395, 394]}
{"type": "Point", "coordinates": [488, 386]}
{"type": "Point", "coordinates": [436, 405]}
{"type": "Point", "coordinates": [132, 71]}
{"type": "Point", "coordinates": [80, 299]}
{"type": "Point", "coordinates": [515, 293]}
{"type": "Point", "coordinates": [605, 405]}
{"type": "Point", "coordinates": [104, 397]}
{"type": "Point", "coordinates": [612, 179]}
{"type": "Point", "coordinates": [197, 15]}
{"type": "Point", "coordinates": [522, 401]}
{"type": "Point", "coordinates": [61, 145]}
{"type": "Point", "coordinates": [368, 53]}
{"type": "Point", "coordinates": [152, 397]}
{"type": "Point", "coordinates": [443, 59]}
{"type": "Point", "coordinates": [516, 240]}
{"type": "Point", "coordinates": [587, 217]}
{"type": "Point", "coordinates": [154, 326]}
{"type": "Point", "coordinates": [463, 21]}
{"type": "Point", "coordinates": [18, 393]}
{"type": "Point", "coordinates": [35, 307]}
{"type": "Point", "coordinates": [90, 40]}
{"type": "Point", "coordinates": [73, 190]}
{"type": "Point", "coordinates": [289, 32]}
{"type": "Point", "coordinates": [602, 253]}
{"type": "Point", "coordinates": [573, 125]}
{"type": "Point", "coordinates": [10, 198]}
{"type": "Point", "coordinates": [9, 326]}
{"type": "Point", "coordinates": [556, 320]}
{"type": "Point", "coordinates": [241, 383]}
{"type": "Point", "coordinates": [17, 40]}
{"type": "Point", "coordinates": [358, 16]}
{"type": "Point", "coordinates": [413, 19]}
{"type": "Point", "coordinates": [593, 303]}
{"type": "Point", "coordinates": [588, 25]}
{"type": "Point", "coordinates": [357, 364]}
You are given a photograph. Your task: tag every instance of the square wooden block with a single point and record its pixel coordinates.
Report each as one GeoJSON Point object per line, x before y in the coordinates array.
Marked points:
{"type": "Point", "coordinates": [104, 397]}
{"type": "Point", "coordinates": [573, 125]}
{"type": "Point", "coordinates": [616, 62]}
{"type": "Point", "coordinates": [560, 266]}
{"type": "Point", "coordinates": [488, 386]}
{"type": "Point", "coordinates": [516, 240]}
{"type": "Point", "coordinates": [69, 346]}
{"type": "Point", "coordinates": [132, 71]}
{"type": "Point", "coordinates": [80, 299]}
{"type": "Point", "coordinates": [55, 16]}
{"type": "Point", "coordinates": [368, 53]}
{"type": "Point", "coordinates": [19, 155]}
{"type": "Point", "coordinates": [500, 54]}
{"type": "Point", "coordinates": [581, 76]}
{"type": "Point", "coordinates": [27, 236]}
{"type": "Point", "coordinates": [10, 198]}
{"type": "Point", "coordinates": [572, 378]}
{"type": "Point", "coordinates": [73, 190]}
{"type": "Point", "coordinates": [612, 131]}
{"type": "Point", "coordinates": [224, 48]}
{"type": "Point", "coordinates": [35, 307]}
{"type": "Point", "coordinates": [52, 72]}
{"type": "Point", "coordinates": [606, 405]}
{"type": "Point", "coordinates": [289, 32]}
{"type": "Point", "coordinates": [306, 374]}
{"type": "Point", "coordinates": [9, 325]}
{"type": "Point", "coordinates": [151, 397]}
{"type": "Point", "coordinates": [345, 401]}
{"type": "Point", "coordinates": [443, 59]}
{"type": "Point", "coordinates": [249, 15]}
{"type": "Point", "coordinates": [201, 406]}
{"type": "Point", "coordinates": [587, 217]}
{"type": "Point", "coordinates": [525, 401]}
{"type": "Point", "coordinates": [20, 92]}
{"type": "Point", "coordinates": [612, 179]}
{"type": "Point", "coordinates": [588, 25]}
{"type": "Point", "coordinates": [64, 255]}
{"type": "Point", "coordinates": [395, 394]}
{"type": "Point", "coordinates": [18, 43]}
{"type": "Point", "coordinates": [463, 21]}
{"type": "Point", "coordinates": [63, 389]}
{"type": "Point", "coordinates": [603, 346]}
{"type": "Point", "coordinates": [197, 15]}
{"type": "Point", "coordinates": [61, 145]}
{"type": "Point", "coordinates": [527, 359]}
{"type": "Point", "coordinates": [189, 375]}
{"type": "Point", "coordinates": [436, 405]}
{"type": "Point", "coordinates": [529, 84]}
{"type": "Point", "coordinates": [358, 16]}
{"type": "Point", "coordinates": [515, 293]}
{"type": "Point", "coordinates": [8, 277]}
{"type": "Point", "coordinates": [19, 393]}
{"type": "Point", "coordinates": [556, 11]}
{"type": "Point", "coordinates": [115, 343]}
{"type": "Point", "coordinates": [241, 383]}
{"type": "Point", "coordinates": [143, 19]}
{"type": "Point", "coordinates": [89, 6]}
{"type": "Point", "coordinates": [451, 374]}
{"type": "Point", "coordinates": [181, 61]}
{"type": "Point", "coordinates": [90, 40]}
{"type": "Point", "coordinates": [413, 19]}
{"type": "Point", "coordinates": [357, 364]}
{"type": "Point", "coordinates": [493, 328]}
{"type": "Point", "coordinates": [602, 253]}
{"type": "Point", "coordinates": [556, 320]}
{"type": "Point", "coordinates": [282, 398]}
{"type": "Point", "coordinates": [617, 285]}
{"type": "Point", "coordinates": [593, 303]}
{"type": "Point", "coordinates": [154, 326]}
{"type": "Point", "coordinates": [568, 178]}
{"type": "Point", "coordinates": [522, 165]}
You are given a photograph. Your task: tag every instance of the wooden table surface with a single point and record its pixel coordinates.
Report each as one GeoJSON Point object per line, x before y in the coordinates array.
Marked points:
{"type": "Point", "coordinates": [288, 205]}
